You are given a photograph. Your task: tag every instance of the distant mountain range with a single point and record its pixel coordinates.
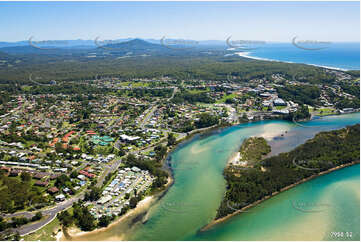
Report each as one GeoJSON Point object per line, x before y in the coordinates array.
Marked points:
{"type": "Point", "coordinates": [79, 43]}
{"type": "Point", "coordinates": [118, 48]}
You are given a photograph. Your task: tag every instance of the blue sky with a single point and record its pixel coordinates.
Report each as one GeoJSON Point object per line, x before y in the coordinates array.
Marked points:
{"type": "Point", "coordinates": [269, 21]}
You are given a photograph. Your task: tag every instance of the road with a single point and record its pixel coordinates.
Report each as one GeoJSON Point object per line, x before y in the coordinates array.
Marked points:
{"type": "Point", "coordinates": [175, 89]}
{"type": "Point", "coordinates": [148, 116]}
{"type": "Point", "coordinates": [233, 117]}
{"type": "Point", "coordinates": [49, 214]}
{"type": "Point", "coordinates": [109, 169]}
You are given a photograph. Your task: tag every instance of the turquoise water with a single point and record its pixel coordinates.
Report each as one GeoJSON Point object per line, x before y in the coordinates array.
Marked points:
{"type": "Point", "coordinates": [335, 55]}
{"type": "Point", "coordinates": [308, 212]}
{"type": "Point", "coordinates": [311, 211]}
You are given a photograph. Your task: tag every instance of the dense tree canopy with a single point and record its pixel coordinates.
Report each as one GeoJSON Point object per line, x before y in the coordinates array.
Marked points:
{"type": "Point", "coordinates": [324, 151]}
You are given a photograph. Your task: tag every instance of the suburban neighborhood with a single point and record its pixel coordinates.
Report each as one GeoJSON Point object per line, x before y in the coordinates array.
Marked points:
{"type": "Point", "coordinates": [62, 148]}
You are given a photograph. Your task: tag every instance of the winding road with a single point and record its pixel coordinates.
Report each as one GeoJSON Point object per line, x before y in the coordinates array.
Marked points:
{"type": "Point", "coordinates": [48, 215]}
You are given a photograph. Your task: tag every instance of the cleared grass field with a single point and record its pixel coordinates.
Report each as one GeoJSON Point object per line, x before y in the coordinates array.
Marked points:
{"type": "Point", "coordinates": [47, 233]}
{"type": "Point", "coordinates": [323, 111]}
{"type": "Point", "coordinates": [134, 84]}
{"type": "Point", "coordinates": [225, 97]}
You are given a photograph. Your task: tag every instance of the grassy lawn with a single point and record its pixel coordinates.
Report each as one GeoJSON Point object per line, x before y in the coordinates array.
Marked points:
{"type": "Point", "coordinates": [325, 111]}
{"type": "Point", "coordinates": [279, 107]}
{"type": "Point", "coordinates": [135, 84]}
{"type": "Point", "coordinates": [110, 180]}
{"type": "Point", "coordinates": [194, 91]}
{"type": "Point", "coordinates": [225, 97]}
{"type": "Point", "coordinates": [26, 88]}
{"type": "Point", "coordinates": [46, 233]}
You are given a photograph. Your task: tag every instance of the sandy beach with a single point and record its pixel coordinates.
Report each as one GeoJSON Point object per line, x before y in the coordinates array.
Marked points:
{"type": "Point", "coordinates": [75, 233]}
{"type": "Point", "coordinates": [234, 158]}
{"type": "Point", "coordinates": [273, 130]}
{"type": "Point", "coordinates": [247, 55]}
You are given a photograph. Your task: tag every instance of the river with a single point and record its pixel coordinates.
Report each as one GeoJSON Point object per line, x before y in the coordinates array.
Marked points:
{"type": "Point", "coordinates": [310, 211]}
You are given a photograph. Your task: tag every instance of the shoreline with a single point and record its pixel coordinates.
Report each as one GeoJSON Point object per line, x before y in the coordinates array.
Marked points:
{"type": "Point", "coordinates": [246, 55]}
{"type": "Point", "coordinates": [159, 194]}
{"type": "Point", "coordinates": [185, 139]}
{"type": "Point", "coordinates": [69, 233]}
{"type": "Point", "coordinates": [234, 158]}
{"type": "Point", "coordinates": [224, 219]}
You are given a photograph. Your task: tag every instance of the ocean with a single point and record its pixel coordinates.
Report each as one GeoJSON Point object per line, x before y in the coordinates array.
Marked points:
{"type": "Point", "coordinates": [344, 56]}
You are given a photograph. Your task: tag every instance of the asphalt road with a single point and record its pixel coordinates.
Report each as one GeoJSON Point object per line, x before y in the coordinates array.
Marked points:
{"type": "Point", "coordinates": [50, 214]}
{"type": "Point", "coordinates": [149, 115]}
{"type": "Point", "coordinates": [112, 168]}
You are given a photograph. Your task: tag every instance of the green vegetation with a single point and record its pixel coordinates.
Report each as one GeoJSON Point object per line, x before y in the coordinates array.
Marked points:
{"type": "Point", "coordinates": [186, 96]}
{"type": "Point", "coordinates": [83, 218]}
{"type": "Point", "coordinates": [65, 219]}
{"type": "Point", "coordinates": [326, 150]}
{"type": "Point", "coordinates": [94, 194]}
{"type": "Point", "coordinates": [302, 113]}
{"type": "Point", "coordinates": [183, 66]}
{"type": "Point", "coordinates": [160, 152]}
{"type": "Point", "coordinates": [300, 94]}
{"type": "Point", "coordinates": [17, 222]}
{"type": "Point", "coordinates": [324, 111]}
{"type": "Point", "coordinates": [253, 149]}
{"type": "Point", "coordinates": [18, 194]}
{"type": "Point", "coordinates": [171, 139]}
{"type": "Point", "coordinates": [226, 98]}
{"type": "Point", "coordinates": [141, 93]}
{"type": "Point", "coordinates": [105, 220]}
{"type": "Point", "coordinates": [344, 102]}
{"type": "Point", "coordinates": [206, 120]}
{"type": "Point", "coordinates": [155, 168]}
{"type": "Point", "coordinates": [47, 233]}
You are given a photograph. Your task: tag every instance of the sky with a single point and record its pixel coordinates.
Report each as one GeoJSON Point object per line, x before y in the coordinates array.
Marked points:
{"type": "Point", "coordinates": [268, 21]}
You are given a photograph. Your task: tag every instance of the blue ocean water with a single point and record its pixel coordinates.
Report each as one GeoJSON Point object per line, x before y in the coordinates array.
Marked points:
{"type": "Point", "coordinates": [334, 55]}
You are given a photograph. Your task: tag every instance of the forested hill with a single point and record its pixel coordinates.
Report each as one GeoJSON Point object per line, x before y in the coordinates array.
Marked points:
{"type": "Point", "coordinates": [325, 151]}
{"type": "Point", "coordinates": [138, 58]}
